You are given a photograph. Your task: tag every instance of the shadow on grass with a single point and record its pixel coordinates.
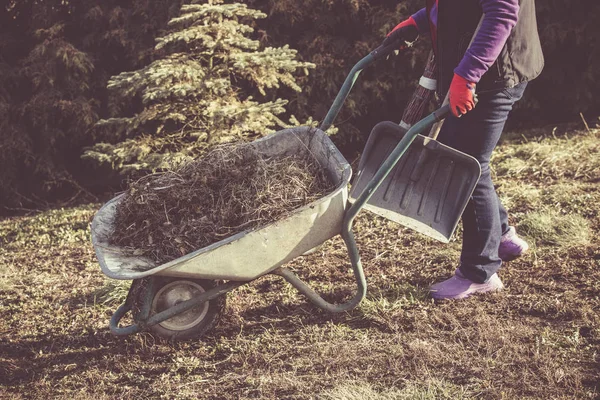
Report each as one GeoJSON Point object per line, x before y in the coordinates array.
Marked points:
{"type": "Point", "coordinates": [54, 357]}
{"type": "Point", "coordinates": [26, 362]}
{"type": "Point", "coordinates": [286, 317]}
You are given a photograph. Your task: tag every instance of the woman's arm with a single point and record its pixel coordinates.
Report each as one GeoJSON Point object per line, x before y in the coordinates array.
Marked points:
{"type": "Point", "coordinates": [500, 17]}
{"type": "Point", "coordinates": [421, 20]}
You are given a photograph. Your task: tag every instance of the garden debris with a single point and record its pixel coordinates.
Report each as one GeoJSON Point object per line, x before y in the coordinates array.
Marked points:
{"type": "Point", "coordinates": [230, 190]}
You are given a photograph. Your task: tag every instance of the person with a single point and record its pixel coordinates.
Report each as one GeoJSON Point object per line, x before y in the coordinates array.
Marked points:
{"type": "Point", "coordinates": [504, 55]}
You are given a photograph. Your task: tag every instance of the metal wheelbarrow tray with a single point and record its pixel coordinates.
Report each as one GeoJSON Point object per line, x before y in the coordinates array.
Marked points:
{"type": "Point", "coordinates": [250, 254]}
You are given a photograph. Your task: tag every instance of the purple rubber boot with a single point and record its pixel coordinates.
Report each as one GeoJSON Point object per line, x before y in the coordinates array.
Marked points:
{"type": "Point", "coordinates": [459, 287]}
{"type": "Point", "coordinates": [511, 246]}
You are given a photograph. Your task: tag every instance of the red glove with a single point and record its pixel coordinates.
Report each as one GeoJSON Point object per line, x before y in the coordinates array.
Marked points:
{"type": "Point", "coordinates": [462, 94]}
{"type": "Point", "coordinates": [405, 31]}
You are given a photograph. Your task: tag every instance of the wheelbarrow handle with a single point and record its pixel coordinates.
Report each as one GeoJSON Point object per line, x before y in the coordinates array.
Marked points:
{"type": "Point", "coordinates": [375, 55]}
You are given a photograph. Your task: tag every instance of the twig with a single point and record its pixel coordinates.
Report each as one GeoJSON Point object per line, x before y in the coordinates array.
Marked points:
{"type": "Point", "coordinates": [585, 122]}
{"type": "Point", "coordinates": [166, 213]}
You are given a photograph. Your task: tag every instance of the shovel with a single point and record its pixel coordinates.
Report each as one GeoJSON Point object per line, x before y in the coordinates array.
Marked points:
{"type": "Point", "coordinates": [427, 190]}
{"type": "Point", "coordinates": [430, 186]}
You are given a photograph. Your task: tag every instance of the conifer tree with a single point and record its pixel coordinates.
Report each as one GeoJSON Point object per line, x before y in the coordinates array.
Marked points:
{"type": "Point", "coordinates": [55, 59]}
{"type": "Point", "coordinates": [203, 90]}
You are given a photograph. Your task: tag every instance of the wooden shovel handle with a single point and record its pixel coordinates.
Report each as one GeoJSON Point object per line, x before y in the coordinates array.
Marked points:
{"type": "Point", "coordinates": [437, 127]}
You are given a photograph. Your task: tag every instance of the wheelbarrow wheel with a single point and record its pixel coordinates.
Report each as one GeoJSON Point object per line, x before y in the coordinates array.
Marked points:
{"type": "Point", "coordinates": [190, 324]}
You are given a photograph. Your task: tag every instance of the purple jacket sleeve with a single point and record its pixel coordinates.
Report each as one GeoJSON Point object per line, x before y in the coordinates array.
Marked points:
{"type": "Point", "coordinates": [500, 18]}
{"type": "Point", "coordinates": [422, 21]}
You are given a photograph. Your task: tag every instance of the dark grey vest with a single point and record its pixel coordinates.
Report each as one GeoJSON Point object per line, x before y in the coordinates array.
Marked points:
{"type": "Point", "coordinates": [520, 60]}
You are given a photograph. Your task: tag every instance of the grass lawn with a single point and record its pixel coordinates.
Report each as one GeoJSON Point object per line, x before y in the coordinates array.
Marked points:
{"type": "Point", "coordinates": [538, 339]}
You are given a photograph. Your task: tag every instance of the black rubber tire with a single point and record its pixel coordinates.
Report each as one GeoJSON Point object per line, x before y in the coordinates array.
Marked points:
{"type": "Point", "coordinates": [166, 328]}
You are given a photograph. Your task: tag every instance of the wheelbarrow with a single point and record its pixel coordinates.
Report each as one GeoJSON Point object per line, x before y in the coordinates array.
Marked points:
{"type": "Point", "coordinates": [182, 299]}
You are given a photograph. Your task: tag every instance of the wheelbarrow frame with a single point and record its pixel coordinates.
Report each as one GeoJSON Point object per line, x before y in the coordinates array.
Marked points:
{"type": "Point", "coordinates": [144, 319]}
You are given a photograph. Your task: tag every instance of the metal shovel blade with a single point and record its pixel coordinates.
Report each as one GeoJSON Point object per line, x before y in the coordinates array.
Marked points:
{"type": "Point", "coordinates": [427, 190]}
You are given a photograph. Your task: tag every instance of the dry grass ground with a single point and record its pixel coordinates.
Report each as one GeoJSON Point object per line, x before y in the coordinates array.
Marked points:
{"type": "Point", "coordinates": [538, 339]}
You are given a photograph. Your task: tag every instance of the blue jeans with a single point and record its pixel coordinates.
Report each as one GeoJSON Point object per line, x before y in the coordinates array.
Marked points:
{"type": "Point", "coordinates": [484, 220]}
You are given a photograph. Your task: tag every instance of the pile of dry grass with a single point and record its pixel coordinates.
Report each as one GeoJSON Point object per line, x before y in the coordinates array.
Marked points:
{"type": "Point", "coordinates": [230, 190]}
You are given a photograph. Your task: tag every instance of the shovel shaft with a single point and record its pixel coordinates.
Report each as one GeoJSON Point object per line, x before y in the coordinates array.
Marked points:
{"type": "Point", "coordinates": [390, 163]}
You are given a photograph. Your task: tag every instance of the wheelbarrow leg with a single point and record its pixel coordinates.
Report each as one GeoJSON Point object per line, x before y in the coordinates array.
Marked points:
{"type": "Point", "coordinates": [315, 298]}
{"type": "Point", "coordinates": [128, 306]}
